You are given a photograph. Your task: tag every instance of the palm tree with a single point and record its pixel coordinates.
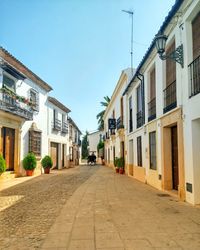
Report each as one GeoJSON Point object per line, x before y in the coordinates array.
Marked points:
{"type": "Point", "coordinates": [100, 115]}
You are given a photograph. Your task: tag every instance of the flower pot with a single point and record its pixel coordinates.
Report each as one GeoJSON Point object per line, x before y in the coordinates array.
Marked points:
{"type": "Point", "coordinates": [117, 170]}
{"type": "Point", "coordinates": [29, 172]}
{"type": "Point", "coordinates": [121, 170]}
{"type": "Point", "coordinates": [46, 170]}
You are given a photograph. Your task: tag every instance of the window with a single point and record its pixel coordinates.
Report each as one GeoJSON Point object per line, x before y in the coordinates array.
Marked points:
{"type": "Point", "coordinates": [8, 83]}
{"type": "Point", "coordinates": [35, 138]}
{"type": "Point", "coordinates": [139, 99]}
{"type": "Point", "coordinates": [139, 114]}
{"type": "Point", "coordinates": [152, 150]}
{"type": "Point", "coordinates": [34, 98]}
{"type": "Point", "coordinates": [70, 131]}
{"type": "Point", "coordinates": [122, 110]}
{"type": "Point", "coordinates": [113, 154]}
{"type": "Point", "coordinates": [139, 151]}
{"type": "Point", "coordinates": [130, 115]}
{"type": "Point", "coordinates": [170, 66]}
{"type": "Point", "coordinates": [196, 36]}
{"type": "Point", "coordinates": [194, 67]}
{"type": "Point", "coordinates": [152, 96]}
{"type": "Point", "coordinates": [71, 158]}
{"type": "Point", "coordinates": [170, 90]}
{"type": "Point", "coordinates": [153, 84]}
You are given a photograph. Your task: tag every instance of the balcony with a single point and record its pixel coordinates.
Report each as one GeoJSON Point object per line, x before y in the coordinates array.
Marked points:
{"type": "Point", "coordinates": [56, 125]}
{"type": "Point", "coordinates": [120, 124]}
{"type": "Point", "coordinates": [152, 110]}
{"type": "Point", "coordinates": [139, 119]}
{"type": "Point", "coordinates": [170, 97]}
{"type": "Point", "coordinates": [15, 105]}
{"type": "Point", "coordinates": [64, 128]}
{"type": "Point", "coordinates": [194, 69]}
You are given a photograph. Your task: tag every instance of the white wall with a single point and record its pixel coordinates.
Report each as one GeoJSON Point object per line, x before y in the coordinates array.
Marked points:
{"type": "Point", "coordinates": [93, 140]}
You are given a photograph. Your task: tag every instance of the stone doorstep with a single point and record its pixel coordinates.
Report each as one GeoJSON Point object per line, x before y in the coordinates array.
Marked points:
{"type": "Point", "coordinates": [8, 175]}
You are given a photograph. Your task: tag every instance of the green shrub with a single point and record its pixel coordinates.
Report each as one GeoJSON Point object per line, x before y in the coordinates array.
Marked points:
{"type": "Point", "coordinates": [116, 162]}
{"type": "Point", "coordinates": [47, 162]}
{"type": "Point", "coordinates": [2, 164]}
{"type": "Point", "coordinates": [100, 145]}
{"type": "Point", "coordinates": [29, 162]}
{"type": "Point", "coordinates": [120, 162]}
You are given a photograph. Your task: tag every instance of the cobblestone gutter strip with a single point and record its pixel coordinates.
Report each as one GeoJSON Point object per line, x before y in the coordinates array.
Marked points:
{"type": "Point", "coordinates": [28, 210]}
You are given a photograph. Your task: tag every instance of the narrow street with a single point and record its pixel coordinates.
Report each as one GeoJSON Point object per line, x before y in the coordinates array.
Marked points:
{"type": "Point", "coordinates": [28, 210]}
{"type": "Point", "coordinates": [94, 208]}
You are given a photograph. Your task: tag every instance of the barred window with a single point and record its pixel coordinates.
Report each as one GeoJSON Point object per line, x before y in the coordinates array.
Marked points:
{"type": "Point", "coordinates": [130, 115]}
{"type": "Point", "coordinates": [35, 140]}
{"type": "Point", "coordinates": [34, 98]}
{"type": "Point", "coordinates": [152, 150]}
{"type": "Point", "coordinates": [8, 83]}
{"type": "Point", "coordinates": [139, 151]}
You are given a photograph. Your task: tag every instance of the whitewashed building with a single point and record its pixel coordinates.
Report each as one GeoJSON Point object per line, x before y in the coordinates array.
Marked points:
{"type": "Point", "coordinates": [74, 143]}
{"type": "Point", "coordinates": [57, 132]}
{"type": "Point", "coordinates": [23, 115]}
{"type": "Point", "coordinates": [93, 141]}
{"type": "Point", "coordinates": [163, 100]}
{"type": "Point", "coordinates": [115, 139]}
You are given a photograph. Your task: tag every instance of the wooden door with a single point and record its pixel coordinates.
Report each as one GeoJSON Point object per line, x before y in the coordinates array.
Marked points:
{"type": "Point", "coordinates": [54, 154]}
{"type": "Point", "coordinates": [63, 155]}
{"type": "Point", "coordinates": [175, 174]}
{"type": "Point", "coordinates": [8, 135]}
{"type": "Point", "coordinates": [113, 154]}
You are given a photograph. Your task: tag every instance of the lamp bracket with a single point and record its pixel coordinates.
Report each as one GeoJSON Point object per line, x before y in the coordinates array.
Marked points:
{"type": "Point", "coordinates": [176, 55]}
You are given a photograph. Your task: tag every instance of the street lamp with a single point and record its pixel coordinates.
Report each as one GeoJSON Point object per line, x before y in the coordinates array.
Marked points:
{"type": "Point", "coordinates": [176, 55]}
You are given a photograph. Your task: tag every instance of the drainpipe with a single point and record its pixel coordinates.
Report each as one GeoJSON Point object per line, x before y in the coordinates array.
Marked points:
{"type": "Point", "coordinates": [141, 78]}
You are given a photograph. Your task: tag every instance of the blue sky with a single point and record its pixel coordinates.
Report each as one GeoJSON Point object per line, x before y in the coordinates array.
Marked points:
{"type": "Point", "coordinates": [80, 47]}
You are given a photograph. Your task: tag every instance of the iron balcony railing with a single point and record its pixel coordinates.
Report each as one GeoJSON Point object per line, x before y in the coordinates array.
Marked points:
{"type": "Point", "coordinates": [152, 109]}
{"type": "Point", "coordinates": [64, 128]}
{"type": "Point", "coordinates": [194, 69]}
{"type": "Point", "coordinates": [170, 97]}
{"type": "Point", "coordinates": [139, 119]}
{"type": "Point", "coordinates": [120, 123]}
{"type": "Point", "coordinates": [56, 125]}
{"type": "Point", "coordinates": [15, 105]}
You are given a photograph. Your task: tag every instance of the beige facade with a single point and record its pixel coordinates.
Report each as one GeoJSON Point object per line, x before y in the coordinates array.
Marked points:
{"type": "Point", "coordinates": [161, 125]}
{"type": "Point", "coordinates": [115, 145]}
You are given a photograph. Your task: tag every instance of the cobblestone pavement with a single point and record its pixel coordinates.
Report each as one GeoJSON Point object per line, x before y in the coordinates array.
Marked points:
{"type": "Point", "coordinates": [115, 212]}
{"type": "Point", "coordinates": [28, 209]}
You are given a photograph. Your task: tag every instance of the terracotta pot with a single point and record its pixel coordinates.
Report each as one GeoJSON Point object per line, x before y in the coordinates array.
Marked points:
{"type": "Point", "coordinates": [117, 170]}
{"type": "Point", "coordinates": [29, 172]}
{"type": "Point", "coordinates": [121, 170]}
{"type": "Point", "coordinates": [46, 170]}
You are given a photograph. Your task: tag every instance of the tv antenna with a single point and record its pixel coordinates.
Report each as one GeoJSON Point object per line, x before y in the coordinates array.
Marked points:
{"type": "Point", "coordinates": [131, 14]}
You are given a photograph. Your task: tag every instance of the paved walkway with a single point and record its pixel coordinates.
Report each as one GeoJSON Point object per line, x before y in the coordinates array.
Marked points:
{"type": "Point", "coordinates": [114, 212]}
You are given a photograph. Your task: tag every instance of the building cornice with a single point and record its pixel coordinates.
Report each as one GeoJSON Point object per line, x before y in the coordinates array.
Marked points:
{"type": "Point", "coordinates": [58, 104]}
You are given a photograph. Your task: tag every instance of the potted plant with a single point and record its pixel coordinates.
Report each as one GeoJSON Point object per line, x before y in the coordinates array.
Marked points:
{"type": "Point", "coordinates": [29, 163]}
{"type": "Point", "coordinates": [2, 165]}
{"type": "Point", "coordinates": [120, 164]}
{"type": "Point", "coordinates": [47, 163]}
{"type": "Point", "coordinates": [116, 164]}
